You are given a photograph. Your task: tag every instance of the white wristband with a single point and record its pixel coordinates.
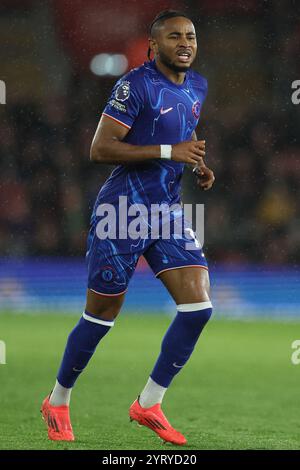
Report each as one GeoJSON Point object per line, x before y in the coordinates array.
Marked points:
{"type": "Point", "coordinates": [165, 151]}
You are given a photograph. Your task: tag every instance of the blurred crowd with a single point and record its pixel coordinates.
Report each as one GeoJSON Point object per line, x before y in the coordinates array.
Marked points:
{"type": "Point", "coordinates": [253, 212]}
{"type": "Point", "coordinates": [48, 185]}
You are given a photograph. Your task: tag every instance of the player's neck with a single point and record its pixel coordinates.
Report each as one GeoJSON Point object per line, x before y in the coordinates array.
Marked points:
{"type": "Point", "coordinates": [175, 77]}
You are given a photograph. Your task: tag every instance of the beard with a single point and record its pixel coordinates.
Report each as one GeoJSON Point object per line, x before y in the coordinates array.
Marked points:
{"type": "Point", "coordinates": [168, 63]}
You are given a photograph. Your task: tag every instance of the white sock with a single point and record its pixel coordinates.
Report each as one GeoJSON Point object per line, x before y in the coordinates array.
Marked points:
{"type": "Point", "coordinates": [152, 394]}
{"type": "Point", "coordinates": [60, 395]}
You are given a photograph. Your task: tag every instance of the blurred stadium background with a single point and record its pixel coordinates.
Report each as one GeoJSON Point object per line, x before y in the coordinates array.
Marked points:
{"type": "Point", "coordinates": [59, 60]}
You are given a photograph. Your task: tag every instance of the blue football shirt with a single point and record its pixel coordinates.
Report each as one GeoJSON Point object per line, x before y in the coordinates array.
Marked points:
{"type": "Point", "coordinates": [156, 111]}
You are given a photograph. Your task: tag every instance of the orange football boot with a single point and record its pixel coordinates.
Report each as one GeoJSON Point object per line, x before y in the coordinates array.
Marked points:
{"type": "Point", "coordinates": [57, 419]}
{"type": "Point", "coordinates": [154, 419]}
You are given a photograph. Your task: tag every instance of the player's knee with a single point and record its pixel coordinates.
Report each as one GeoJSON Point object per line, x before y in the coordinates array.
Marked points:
{"type": "Point", "coordinates": [204, 288]}
{"type": "Point", "coordinates": [198, 289]}
{"type": "Point", "coordinates": [108, 315]}
{"type": "Point", "coordinates": [106, 308]}
{"type": "Point", "coordinates": [199, 294]}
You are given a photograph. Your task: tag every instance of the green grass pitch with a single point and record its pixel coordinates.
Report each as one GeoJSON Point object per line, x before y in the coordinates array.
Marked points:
{"type": "Point", "coordinates": [240, 389]}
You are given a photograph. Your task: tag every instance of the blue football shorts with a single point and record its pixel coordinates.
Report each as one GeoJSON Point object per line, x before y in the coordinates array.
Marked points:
{"type": "Point", "coordinates": [111, 263]}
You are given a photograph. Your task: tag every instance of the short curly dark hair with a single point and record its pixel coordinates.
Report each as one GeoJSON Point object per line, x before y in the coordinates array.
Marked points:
{"type": "Point", "coordinates": [163, 16]}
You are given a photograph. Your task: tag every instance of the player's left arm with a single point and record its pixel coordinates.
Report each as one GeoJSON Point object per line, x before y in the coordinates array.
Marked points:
{"type": "Point", "coordinates": [205, 176]}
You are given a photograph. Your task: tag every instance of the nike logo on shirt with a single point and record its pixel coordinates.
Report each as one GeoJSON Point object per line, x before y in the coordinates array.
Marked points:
{"type": "Point", "coordinates": [165, 111]}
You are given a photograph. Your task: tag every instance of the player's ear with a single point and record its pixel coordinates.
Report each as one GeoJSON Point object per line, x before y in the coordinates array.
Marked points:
{"type": "Point", "coordinates": [152, 46]}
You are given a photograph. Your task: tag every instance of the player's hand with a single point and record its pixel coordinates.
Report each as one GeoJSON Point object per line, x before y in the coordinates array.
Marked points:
{"type": "Point", "coordinates": [189, 152]}
{"type": "Point", "coordinates": [205, 177]}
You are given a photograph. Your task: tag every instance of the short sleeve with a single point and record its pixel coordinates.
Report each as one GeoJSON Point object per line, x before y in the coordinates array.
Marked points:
{"type": "Point", "coordinates": [125, 102]}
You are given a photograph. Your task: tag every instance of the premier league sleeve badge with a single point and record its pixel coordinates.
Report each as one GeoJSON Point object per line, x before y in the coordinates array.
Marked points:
{"type": "Point", "coordinates": [123, 91]}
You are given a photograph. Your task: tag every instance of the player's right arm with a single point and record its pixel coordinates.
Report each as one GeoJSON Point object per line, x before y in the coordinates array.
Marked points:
{"type": "Point", "coordinates": [108, 147]}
